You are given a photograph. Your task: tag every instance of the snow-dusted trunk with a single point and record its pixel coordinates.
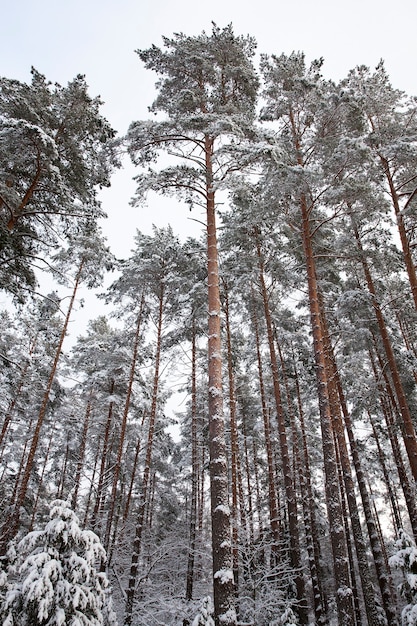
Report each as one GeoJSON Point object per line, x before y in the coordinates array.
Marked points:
{"type": "Point", "coordinates": [272, 498]}
{"type": "Point", "coordinates": [137, 544]}
{"type": "Point", "coordinates": [290, 493]}
{"type": "Point", "coordinates": [12, 524]}
{"type": "Point", "coordinates": [408, 431]}
{"type": "Point", "coordinates": [81, 454]}
{"type": "Point", "coordinates": [11, 224]}
{"type": "Point", "coordinates": [333, 501]}
{"type": "Point", "coordinates": [223, 583]}
{"type": "Point", "coordinates": [119, 455]}
{"type": "Point", "coordinates": [194, 469]}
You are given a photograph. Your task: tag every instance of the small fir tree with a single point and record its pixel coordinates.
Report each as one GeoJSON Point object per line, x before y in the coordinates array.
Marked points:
{"type": "Point", "coordinates": [57, 577]}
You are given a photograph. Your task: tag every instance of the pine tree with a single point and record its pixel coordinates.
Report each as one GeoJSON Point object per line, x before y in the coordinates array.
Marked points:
{"type": "Point", "coordinates": [207, 91]}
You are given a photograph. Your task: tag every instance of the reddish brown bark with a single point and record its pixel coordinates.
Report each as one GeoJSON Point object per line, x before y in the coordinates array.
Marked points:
{"type": "Point", "coordinates": [223, 583]}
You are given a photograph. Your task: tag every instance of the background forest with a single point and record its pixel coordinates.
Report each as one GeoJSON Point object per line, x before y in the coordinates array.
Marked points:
{"type": "Point", "coordinates": [232, 440]}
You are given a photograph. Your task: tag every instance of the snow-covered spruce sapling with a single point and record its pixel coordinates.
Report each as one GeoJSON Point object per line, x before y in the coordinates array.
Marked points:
{"type": "Point", "coordinates": [405, 559]}
{"type": "Point", "coordinates": [58, 581]}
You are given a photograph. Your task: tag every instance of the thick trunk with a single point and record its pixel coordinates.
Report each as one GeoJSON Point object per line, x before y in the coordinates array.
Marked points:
{"type": "Point", "coordinates": [223, 583]}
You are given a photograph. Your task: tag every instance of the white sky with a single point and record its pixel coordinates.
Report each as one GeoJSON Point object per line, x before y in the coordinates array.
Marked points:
{"type": "Point", "coordinates": [62, 38]}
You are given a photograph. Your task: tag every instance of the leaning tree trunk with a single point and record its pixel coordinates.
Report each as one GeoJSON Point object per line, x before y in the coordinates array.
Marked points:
{"type": "Point", "coordinates": [137, 543]}
{"type": "Point", "coordinates": [12, 525]}
{"type": "Point", "coordinates": [360, 546]}
{"type": "Point", "coordinates": [376, 547]}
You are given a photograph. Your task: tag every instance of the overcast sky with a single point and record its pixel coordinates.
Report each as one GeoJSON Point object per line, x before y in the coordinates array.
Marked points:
{"type": "Point", "coordinates": [62, 38]}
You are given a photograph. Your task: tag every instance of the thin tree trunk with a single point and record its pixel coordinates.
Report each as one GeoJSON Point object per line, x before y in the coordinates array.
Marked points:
{"type": "Point", "coordinates": [119, 455]}
{"type": "Point", "coordinates": [295, 554]}
{"type": "Point", "coordinates": [101, 477]}
{"type": "Point", "coordinates": [310, 520]}
{"type": "Point", "coordinates": [399, 215]}
{"type": "Point", "coordinates": [137, 544]}
{"type": "Point", "coordinates": [81, 454]}
{"type": "Point", "coordinates": [194, 469]}
{"type": "Point", "coordinates": [274, 519]}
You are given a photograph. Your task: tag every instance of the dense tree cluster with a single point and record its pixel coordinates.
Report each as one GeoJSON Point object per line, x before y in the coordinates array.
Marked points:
{"type": "Point", "coordinates": [281, 488]}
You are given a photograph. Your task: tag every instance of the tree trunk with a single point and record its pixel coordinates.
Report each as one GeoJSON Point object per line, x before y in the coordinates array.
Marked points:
{"type": "Point", "coordinates": [137, 544]}
{"type": "Point", "coordinates": [119, 455]}
{"type": "Point", "coordinates": [333, 500]}
{"type": "Point", "coordinates": [101, 477]}
{"type": "Point", "coordinates": [291, 498]}
{"type": "Point", "coordinates": [81, 454]}
{"type": "Point", "coordinates": [223, 584]}
{"type": "Point", "coordinates": [272, 497]}
{"type": "Point", "coordinates": [194, 470]}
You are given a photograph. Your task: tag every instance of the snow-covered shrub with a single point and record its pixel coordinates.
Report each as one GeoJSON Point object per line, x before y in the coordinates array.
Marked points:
{"type": "Point", "coordinates": [406, 559]}
{"type": "Point", "coordinates": [58, 581]}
